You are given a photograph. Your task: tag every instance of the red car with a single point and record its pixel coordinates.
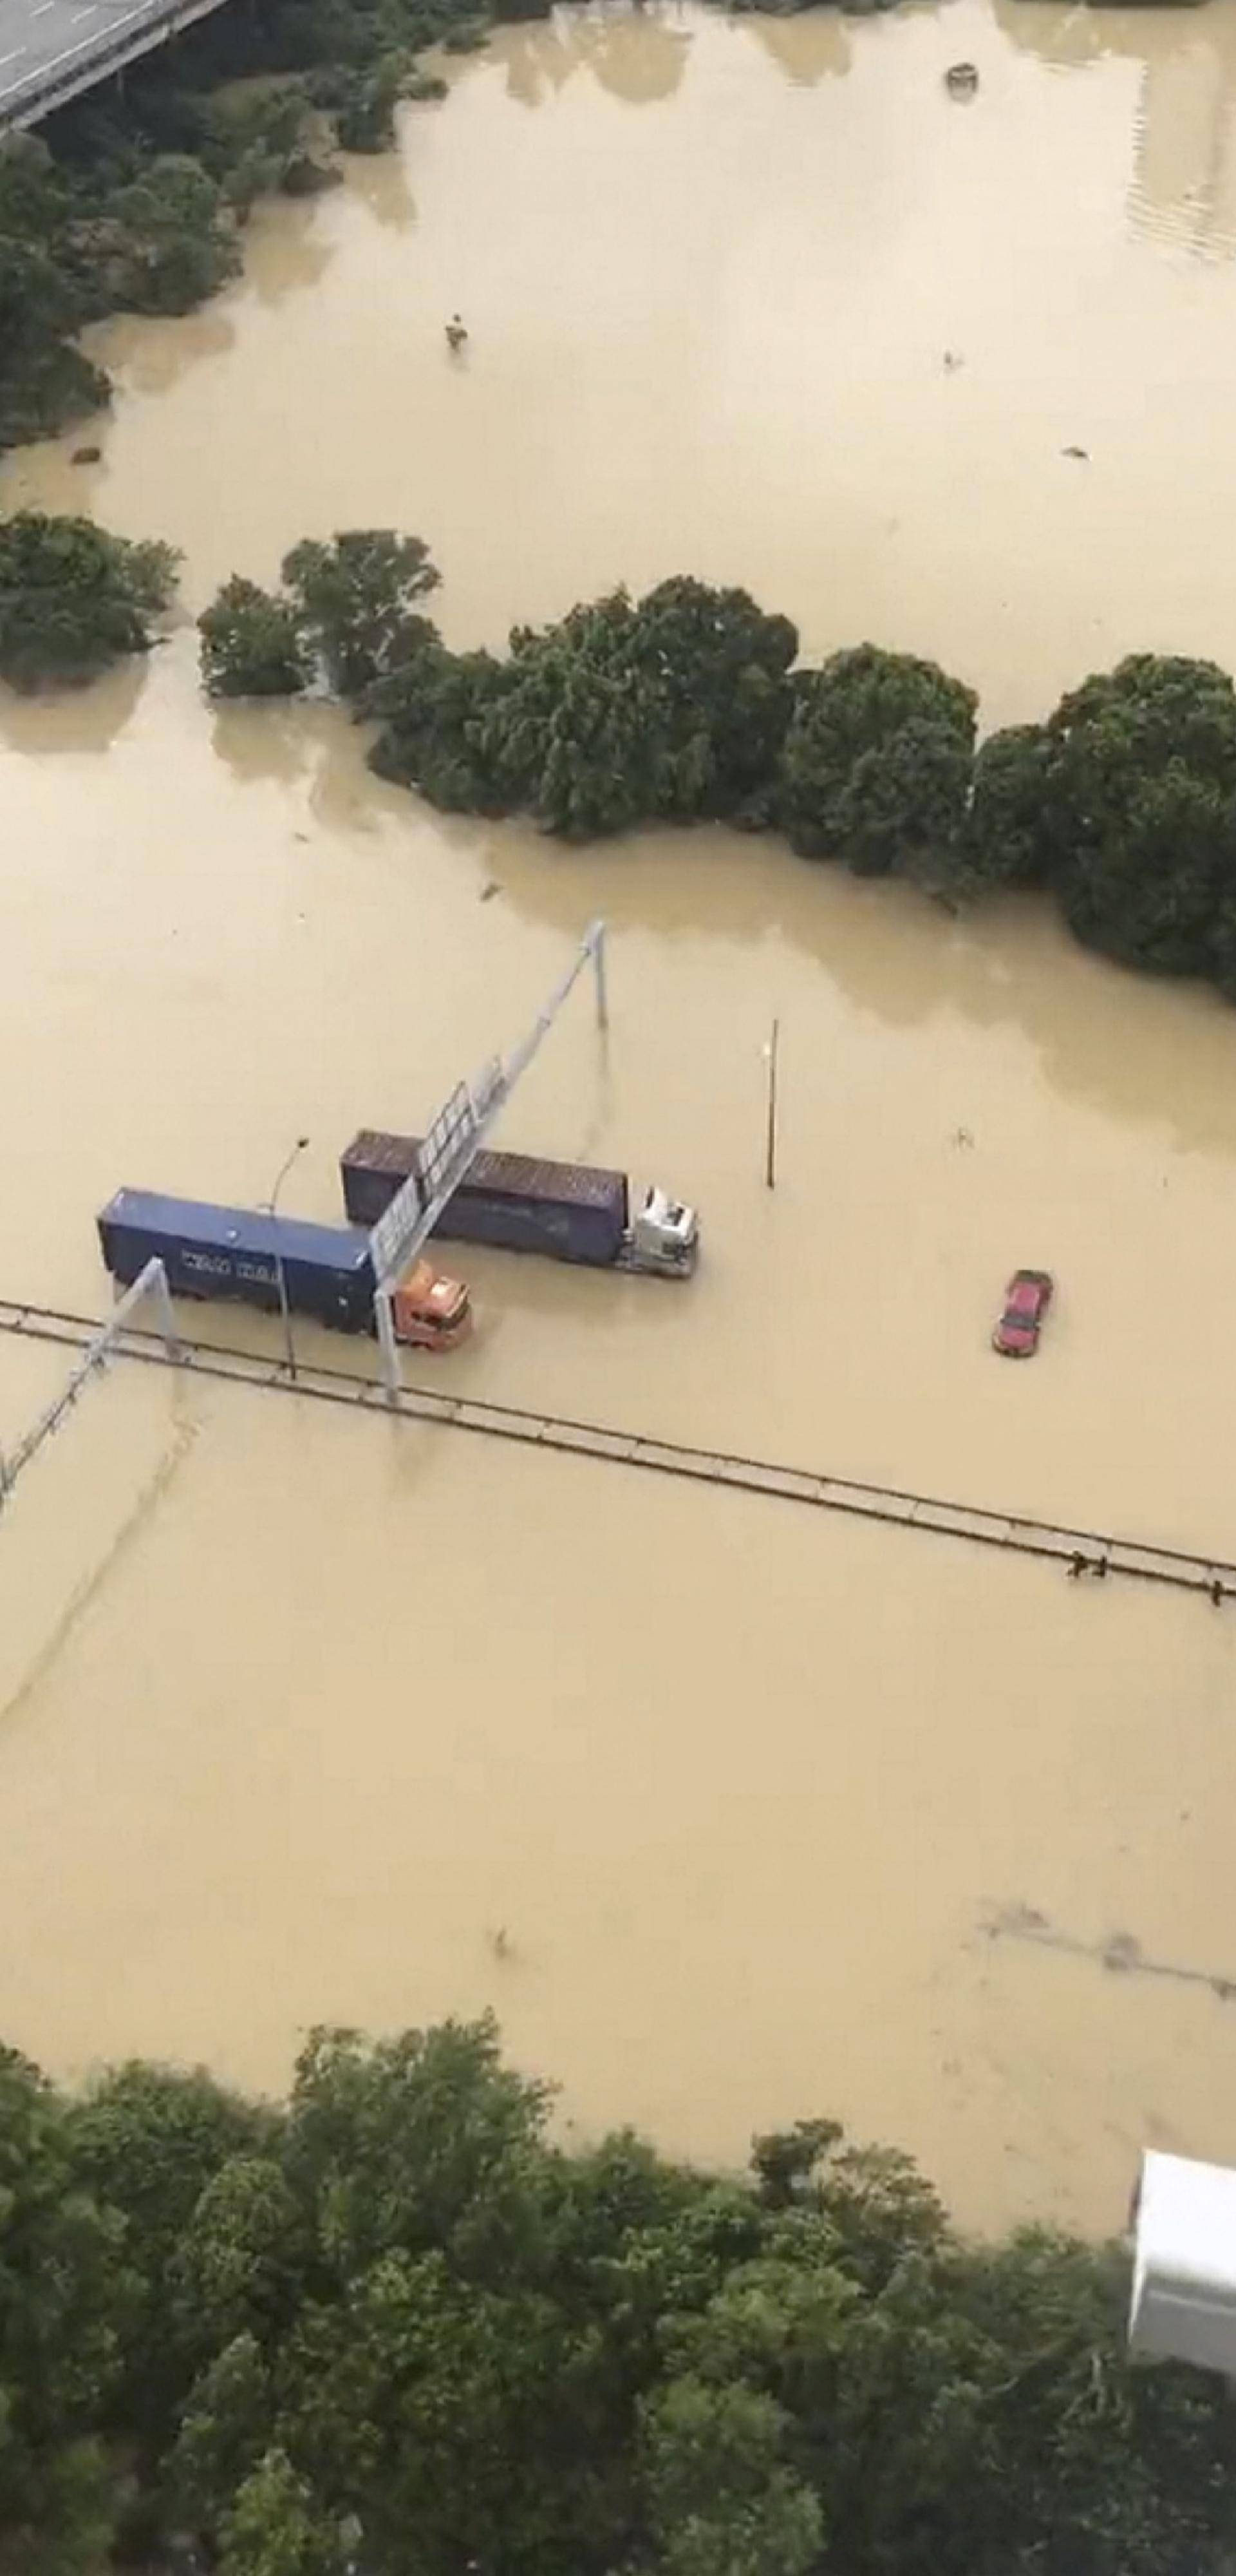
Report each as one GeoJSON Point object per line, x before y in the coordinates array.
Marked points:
{"type": "Point", "coordinates": [1026, 1300]}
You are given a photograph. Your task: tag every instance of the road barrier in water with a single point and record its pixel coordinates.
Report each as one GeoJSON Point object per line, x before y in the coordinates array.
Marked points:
{"type": "Point", "coordinates": [1087, 1554]}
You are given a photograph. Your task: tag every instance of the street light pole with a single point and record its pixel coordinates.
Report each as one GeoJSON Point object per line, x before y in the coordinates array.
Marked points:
{"type": "Point", "coordinates": [272, 1210]}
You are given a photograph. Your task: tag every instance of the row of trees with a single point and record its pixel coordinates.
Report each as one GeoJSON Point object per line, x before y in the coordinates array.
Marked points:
{"type": "Point", "coordinates": [391, 2327]}
{"type": "Point", "coordinates": [691, 704]}
{"type": "Point", "coordinates": [134, 202]}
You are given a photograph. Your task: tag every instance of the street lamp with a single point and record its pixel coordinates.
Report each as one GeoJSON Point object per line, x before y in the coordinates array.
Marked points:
{"type": "Point", "coordinates": [272, 1211]}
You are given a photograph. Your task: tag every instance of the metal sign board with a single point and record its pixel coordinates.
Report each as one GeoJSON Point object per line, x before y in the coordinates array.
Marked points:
{"type": "Point", "coordinates": [394, 1227]}
{"type": "Point", "coordinates": [455, 1137]}
{"type": "Point", "coordinates": [446, 1151]}
{"type": "Point", "coordinates": [443, 1144]}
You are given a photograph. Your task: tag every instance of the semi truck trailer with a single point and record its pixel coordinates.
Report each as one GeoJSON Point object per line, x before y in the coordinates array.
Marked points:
{"type": "Point", "coordinates": [238, 1253]}
{"type": "Point", "coordinates": [572, 1211]}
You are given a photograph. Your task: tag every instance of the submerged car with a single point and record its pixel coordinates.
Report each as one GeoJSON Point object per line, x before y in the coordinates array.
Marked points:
{"type": "Point", "coordinates": [1026, 1300]}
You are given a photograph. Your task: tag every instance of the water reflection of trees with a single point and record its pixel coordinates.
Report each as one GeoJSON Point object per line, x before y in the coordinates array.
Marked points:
{"type": "Point", "coordinates": [809, 47]}
{"type": "Point", "coordinates": [1121, 1043]}
{"type": "Point", "coordinates": [149, 357]}
{"type": "Point", "coordinates": [73, 720]}
{"type": "Point", "coordinates": [1183, 186]}
{"type": "Point", "coordinates": [380, 181]}
{"type": "Point", "coordinates": [1124, 1044]}
{"type": "Point", "coordinates": [636, 53]}
{"type": "Point", "coordinates": [315, 749]}
{"type": "Point", "coordinates": [639, 52]}
{"type": "Point", "coordinates": [284, 256]}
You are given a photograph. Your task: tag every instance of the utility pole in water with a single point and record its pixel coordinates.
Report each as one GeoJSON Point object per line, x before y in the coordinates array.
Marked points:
{"type": "Point", "coordinates": [770, 1155]}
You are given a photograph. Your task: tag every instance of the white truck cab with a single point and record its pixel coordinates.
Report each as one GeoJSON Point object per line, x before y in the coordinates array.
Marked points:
{"type": "Point", "coordinates": [665, 1235]}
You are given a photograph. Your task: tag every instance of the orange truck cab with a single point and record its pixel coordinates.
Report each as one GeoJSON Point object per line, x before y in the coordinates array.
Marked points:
{"type": "Point", "coordinates": [430, 1310]}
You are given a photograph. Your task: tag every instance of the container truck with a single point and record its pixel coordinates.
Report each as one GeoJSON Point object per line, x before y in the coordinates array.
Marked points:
{"type": "Point", "coordinates": [572, 1211]}
{"type": "Point", "coordinates": [238, 1253]}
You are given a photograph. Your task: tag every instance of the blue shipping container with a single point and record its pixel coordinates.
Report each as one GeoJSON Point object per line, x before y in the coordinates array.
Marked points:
{"type": "Point", "coordinates": [231, 1252]}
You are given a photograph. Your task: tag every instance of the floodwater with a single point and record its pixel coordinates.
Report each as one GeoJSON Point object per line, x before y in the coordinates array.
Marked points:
{"type": "Point", "coordinates": [733, 1812]}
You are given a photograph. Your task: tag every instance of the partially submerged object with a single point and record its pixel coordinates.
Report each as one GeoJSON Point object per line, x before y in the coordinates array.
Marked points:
{"type": "Point", "coordinates": [1026, 1300]}
{"type": "Point", "coordinates": [431, 1310]}
{"type": "Point", "coordinates": [521, 1203]}
{"type": "Point", "coordinates": [252, 1258]}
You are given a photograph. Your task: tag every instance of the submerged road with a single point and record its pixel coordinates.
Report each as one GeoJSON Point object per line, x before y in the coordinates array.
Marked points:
{"type": "Point", "coordinates": [1090, 1555]}
{"type": "Point", "coordinates": [51, 50]}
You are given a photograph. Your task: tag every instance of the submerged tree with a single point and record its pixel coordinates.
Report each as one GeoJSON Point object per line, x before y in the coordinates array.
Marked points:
{"type": "Point", "coordinates": [161, 241]}
{"type": "Point", "coordinates": [251, 644]}
{"type": "Point", "coordinates": [435, 715]}
{"type": "Point", "coordinates": [1010, 836]}
{"type": "Point", "coordinates": [876, 764]}
{"type": "Point", "coordinates": [1143, 799]}
{"type": "Point", "coordinates": [44, 380]}
{"type": "Point", "coordinates": [73, 599]}
{"type": "Point", "coordinates": [667, 710]}
{"type": "Point", "coordinates": [356, 598]}
{"type": "Point", "coordinates": [686, 705]}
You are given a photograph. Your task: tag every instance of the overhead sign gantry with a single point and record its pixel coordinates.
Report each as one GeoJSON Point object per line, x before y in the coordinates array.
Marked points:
{"type": "Point", "coordinates": [451, 1144]}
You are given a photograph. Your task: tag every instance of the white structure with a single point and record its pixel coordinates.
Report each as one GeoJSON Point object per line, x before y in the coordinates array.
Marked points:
{"type": "Point", "coordinates": [1184, 2271]}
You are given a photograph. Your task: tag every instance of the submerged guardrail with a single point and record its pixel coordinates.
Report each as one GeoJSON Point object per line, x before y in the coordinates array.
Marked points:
{"type": "Point", "coordinates": [1085, 1554]}
{"type": "Point", "coordinates": [118, 40]}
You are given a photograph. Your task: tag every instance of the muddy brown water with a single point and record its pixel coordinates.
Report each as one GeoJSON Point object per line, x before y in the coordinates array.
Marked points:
{"type": "Point", "coordinates": [718, 1804]}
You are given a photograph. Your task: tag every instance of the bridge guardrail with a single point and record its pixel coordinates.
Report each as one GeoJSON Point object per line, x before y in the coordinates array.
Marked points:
{"type": "Point", "coordinates": [53, 83]}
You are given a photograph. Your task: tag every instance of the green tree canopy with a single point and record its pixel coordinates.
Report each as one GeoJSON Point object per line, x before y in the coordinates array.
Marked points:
{"type": "Point", "coordinates": [668, 709]}
{"type": "Point", "coordinates": [435, 716]}
{"type": "Point", "coordinates": [44, 380]}
{"type": "Point", "coordinates": [876, 764]}
{"type": "Point", "coordinates": [275, 2527]}
{"type": "Point", "coordinates": [394, 2325]}
{"type": "Point", "coordinates": [65, 2298]}
{"type": "Point", "coordinates": [1009, 835]}
{"type": "Point", "coordinates": [252, 645]}
{"type": "Point", "coordinates": [722, 2500]}
{"type": "Point", "coordinates": [148, 2142]}
{"type": "Point", "coordinates": [356, 598]}
{"type": "Point", "coordinates": [160, 242]}
{"type": "Point", "coordinates": [1142, 799]}
{"type": "Point", "coordinates": [73, 598]}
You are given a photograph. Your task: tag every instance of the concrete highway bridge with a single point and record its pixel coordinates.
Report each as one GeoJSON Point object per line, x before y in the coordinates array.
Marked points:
{"type": "Point", "coordinates": [51, 50]}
